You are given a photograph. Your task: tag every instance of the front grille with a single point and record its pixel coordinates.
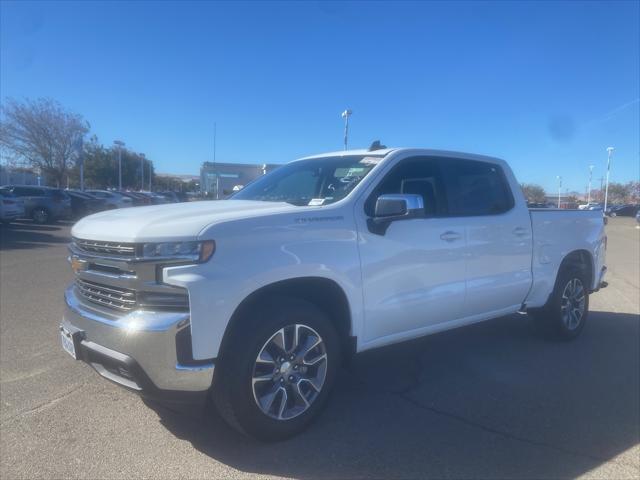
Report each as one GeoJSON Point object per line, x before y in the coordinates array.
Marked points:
{"type": "Point", "coordinates": [108, 296]}
{"type": "Point", "coordinates": [110, 248]}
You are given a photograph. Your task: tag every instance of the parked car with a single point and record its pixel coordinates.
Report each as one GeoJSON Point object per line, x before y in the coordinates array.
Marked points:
{"type": "Point", "coordinates": [590, 206]}
{"type": "Point", "coordinates": [136, 198]}
{"type": "Point", "coordinates": [155, 198]}
{"type": "Point", "coordinates": [41, 204]}
{"type": "Point", "coordinates": [171, 197]}
{"type": "Point", "coordinates": [112, 199]}
{"type": "Point", "coordinates": [538, 205]}
{"type": "Point", "coordinates": [11, 208]}
{"type": "Point", "coordinates": [256, 300]}
{"type": "Point", "coordinates": [624, 211]}
{"type": "Point", "coordinates": [83, 204]}
{"type": "Point", "coordinates": [638, 219]}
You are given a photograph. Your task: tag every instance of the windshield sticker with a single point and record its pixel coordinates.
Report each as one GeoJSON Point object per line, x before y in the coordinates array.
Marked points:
{"type": "Point", "coordinates": [371, 160]}
{"type": "Point", "coordinates": [314, 202]}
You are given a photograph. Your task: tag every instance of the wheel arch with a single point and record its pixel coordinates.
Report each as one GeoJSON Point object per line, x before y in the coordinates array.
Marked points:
{"type": "Point", "coordinates": [582, 259]}
{"type": "Point", "coordinates": [326, 294]}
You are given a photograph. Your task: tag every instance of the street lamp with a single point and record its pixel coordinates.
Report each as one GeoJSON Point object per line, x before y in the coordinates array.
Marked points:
{"type": "Point", "coordinates": [559, 188]}
{"type": "Point", "coordinates": [590, 177]}
{"type": "Point", "coordinates": [346, 114]}
{"type": "Point", "coordinates": [119, 144]}
{"type": "Point", "coordinates": [606, 188]}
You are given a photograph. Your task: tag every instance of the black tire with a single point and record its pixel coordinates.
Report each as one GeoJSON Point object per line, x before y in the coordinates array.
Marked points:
{"type": "Point", "coordinates": [552, 320]}
{"type": "Point", "coordinates": [233, 391]}
{"type": "Point", "coordinates": [41, 215]}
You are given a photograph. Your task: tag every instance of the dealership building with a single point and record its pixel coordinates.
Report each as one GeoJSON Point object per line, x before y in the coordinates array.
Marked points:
{"type": "Point", "coordinates": [219, 179]}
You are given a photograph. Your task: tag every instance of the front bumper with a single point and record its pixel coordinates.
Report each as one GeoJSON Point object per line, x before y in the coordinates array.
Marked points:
{"type": "Point", "coordinates": [138, 350]}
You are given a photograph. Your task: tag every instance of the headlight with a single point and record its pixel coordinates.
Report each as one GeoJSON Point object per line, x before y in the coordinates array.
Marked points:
{"type": "Point", "coordinates": [191, 251]}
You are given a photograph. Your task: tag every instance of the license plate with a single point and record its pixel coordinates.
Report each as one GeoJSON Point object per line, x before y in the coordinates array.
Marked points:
{"type": "Point", "coordinates": [67, 342]}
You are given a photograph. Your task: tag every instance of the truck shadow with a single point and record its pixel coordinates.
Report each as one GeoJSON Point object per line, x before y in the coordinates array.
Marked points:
{"type": "Point", "coordinates": [490, 400]}
{"type": "Point", "coordinates": [25, 234]}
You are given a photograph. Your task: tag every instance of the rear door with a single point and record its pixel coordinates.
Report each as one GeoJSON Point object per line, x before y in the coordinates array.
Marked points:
{"type": "Point", "coordinates": [499, 236]}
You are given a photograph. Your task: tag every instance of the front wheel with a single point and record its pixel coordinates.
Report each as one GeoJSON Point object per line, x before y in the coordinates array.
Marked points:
{"type": "Point", "coordinates": [277, 369]}
{"type": "Point", "coordinates": [566, 312]}
{"type": "Point", "coordinates": [40, 216]}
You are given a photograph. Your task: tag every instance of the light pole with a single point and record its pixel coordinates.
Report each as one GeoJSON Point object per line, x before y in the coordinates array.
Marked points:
{"type": "Point", "coordinates": [606, 188]}
{"type": "Point", "coordinates": [119, 144]}
{"type": "Point", "coordinates": [346, 114]}
{"type": "Point", "coordinates": [559, 188]}
{"type": "Point", "coordinates": [590, 177]}
{"type": "Point", "coordinates": [142, 172]}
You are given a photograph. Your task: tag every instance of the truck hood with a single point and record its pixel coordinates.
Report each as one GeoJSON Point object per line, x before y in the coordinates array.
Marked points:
{"type": "Point", "coordinates": [177, 221]}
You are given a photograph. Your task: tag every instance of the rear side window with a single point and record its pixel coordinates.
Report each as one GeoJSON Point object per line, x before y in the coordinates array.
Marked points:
{"type": "Point", "coordinates": [58, 194]}
{"type": "Point", "coordinates": [28, 192]}
{"type": "Point", "coordinates": [476, 188]}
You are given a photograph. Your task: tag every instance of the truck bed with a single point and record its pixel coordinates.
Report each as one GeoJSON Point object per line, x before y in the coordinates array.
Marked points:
{"type": "Point", "coordinates": [557, 232]}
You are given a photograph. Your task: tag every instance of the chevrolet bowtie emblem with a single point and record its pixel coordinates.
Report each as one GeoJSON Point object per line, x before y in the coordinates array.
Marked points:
{"type": "Point", "coordinates": [78, 265]}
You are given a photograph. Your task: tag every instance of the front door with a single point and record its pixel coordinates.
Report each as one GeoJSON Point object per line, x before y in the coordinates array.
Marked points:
{"type": "Point", "coordinates": [414, 274]}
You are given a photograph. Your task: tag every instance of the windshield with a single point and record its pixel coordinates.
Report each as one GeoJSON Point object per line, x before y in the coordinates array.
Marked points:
{"type": "Point", "coordinates": [318, 181]}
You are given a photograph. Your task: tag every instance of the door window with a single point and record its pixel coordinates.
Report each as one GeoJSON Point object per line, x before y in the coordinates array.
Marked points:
{"type": "Point", "coordinates": [476, 188]}
{"type": "Point", "coordinates": [416, 175]}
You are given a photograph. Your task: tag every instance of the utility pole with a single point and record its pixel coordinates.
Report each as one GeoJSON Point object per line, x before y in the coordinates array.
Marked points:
{"type": "Point", "coordinates": [601, 185]}
{"type": "Point", "coordinates": [80, 148]}
{"type": "Point", "coordinates": [119, 144]}
{"type": "Point", "coordinates": [346, 114]}
{"type": "Point", "coordinates": [590, 177]}
{"type": "Point", "coordinates": [142, 172]}
{"type": "Point", "coordinates": [559, 188]}
{"type": "Point", "coordinates": [215, 131]}
{"type": "Point", "coordinates": [606, 188]}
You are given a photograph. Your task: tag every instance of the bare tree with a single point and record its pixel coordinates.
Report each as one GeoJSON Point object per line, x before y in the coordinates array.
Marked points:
{"type": "Point", "coordinates": [533, 193]}
{"type": "Point", "coordinates": [42, 133]}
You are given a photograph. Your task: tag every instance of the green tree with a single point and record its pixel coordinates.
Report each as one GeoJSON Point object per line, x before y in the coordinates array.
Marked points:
{"type": "Point", "coordinates": [618, 193]}
{"type": "Point", "coordinates": [101, 168]}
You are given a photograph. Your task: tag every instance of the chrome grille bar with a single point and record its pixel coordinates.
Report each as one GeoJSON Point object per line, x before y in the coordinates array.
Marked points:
{"type": "Point", "coordinates": [110, 248]}
{"type": "Point", "coordinates": [119, 299]}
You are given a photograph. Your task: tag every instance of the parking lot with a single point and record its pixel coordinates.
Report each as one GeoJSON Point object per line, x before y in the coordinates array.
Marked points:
{"type": "Point", "coordinates": [488, 401]}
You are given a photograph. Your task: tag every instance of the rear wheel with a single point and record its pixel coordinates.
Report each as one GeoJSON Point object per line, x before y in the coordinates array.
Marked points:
{"type": "Point", "coordinates": [277, 369]}
{"type": "Point", "coordinates": [40, 216]}
{"type": "Point", "coordinates": [566, 313]}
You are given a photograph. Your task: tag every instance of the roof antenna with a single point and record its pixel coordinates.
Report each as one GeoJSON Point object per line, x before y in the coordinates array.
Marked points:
{"type": "Point", "coordinates": [376, 145]}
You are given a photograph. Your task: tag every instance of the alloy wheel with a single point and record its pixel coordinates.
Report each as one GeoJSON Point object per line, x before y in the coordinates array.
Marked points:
{"type": "Point", "coordinates": [289, 372]}
{"type": "Point", "coordinates": [573, 304]}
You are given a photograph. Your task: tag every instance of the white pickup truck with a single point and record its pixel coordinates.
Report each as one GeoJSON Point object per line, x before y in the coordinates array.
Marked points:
{"type": "Point", "coordinates": [255, 301]}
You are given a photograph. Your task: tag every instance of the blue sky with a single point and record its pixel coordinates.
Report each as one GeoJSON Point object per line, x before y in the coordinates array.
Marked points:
{"type": "Point", "coordinates": [545, 85]}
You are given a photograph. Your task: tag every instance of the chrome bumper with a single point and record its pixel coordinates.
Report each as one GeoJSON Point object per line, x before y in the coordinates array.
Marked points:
{"type": "Point", "coordinates": [137, 350]}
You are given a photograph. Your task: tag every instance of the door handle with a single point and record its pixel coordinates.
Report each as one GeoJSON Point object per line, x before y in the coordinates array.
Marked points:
{"type": "Point", "coordinates": [520, 231]}
{"type": "Point", "coordinates": [450, 236]}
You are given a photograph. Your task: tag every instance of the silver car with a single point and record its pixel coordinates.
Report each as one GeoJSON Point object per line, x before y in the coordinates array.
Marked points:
{"type": "Point", "coordinates": [11, 208]}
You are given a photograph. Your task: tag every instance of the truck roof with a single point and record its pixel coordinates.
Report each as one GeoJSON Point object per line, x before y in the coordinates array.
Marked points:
{"type": "Point", "coordinates": [417, 151]}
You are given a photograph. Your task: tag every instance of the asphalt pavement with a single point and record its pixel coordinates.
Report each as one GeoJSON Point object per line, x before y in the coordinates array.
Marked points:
{"type": "Point", "coordinates": [488, 401]}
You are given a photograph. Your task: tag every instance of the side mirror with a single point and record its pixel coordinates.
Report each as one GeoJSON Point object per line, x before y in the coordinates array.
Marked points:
{"type": "Point", "coordinates": [392, 207]}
